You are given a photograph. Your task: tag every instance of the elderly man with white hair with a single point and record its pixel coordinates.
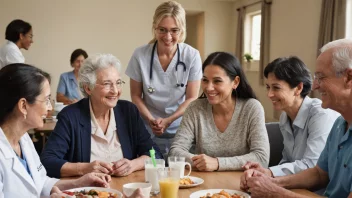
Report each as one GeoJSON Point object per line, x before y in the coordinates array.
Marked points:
{"type": "Point", "coordinates": [333, 80]}
{"type": "Point", "coordinates": [99, 133]}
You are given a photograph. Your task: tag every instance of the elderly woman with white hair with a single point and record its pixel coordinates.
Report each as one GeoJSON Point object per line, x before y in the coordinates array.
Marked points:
{"type": "Point", "coordinates": [100, 133]}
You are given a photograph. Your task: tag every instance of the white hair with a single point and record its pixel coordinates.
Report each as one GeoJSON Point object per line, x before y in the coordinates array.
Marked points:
{"type": "Point", "coordinates": [341, 54]}
{"type": "Point", "coordinates": [87, 73]}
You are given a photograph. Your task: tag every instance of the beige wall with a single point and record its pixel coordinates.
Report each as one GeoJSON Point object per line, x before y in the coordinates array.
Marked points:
{"type": "Point", "coordinates": [119, 26]}
{"type": "Point", "coordinates": [106, 26]}
{"type": "Point", "coordinates": [294, 31]}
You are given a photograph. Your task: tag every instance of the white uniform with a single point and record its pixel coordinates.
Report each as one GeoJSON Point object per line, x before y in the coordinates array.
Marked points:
{"type": "Point", "coordinates": [14, 178]}
{"type": "Point", "coordinates": [10, 53]}
{"type": "Point", "coordinates": [167, 97]}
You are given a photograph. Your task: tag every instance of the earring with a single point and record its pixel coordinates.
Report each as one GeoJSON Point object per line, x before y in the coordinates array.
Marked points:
{"type": "Point", "coordinates": [25, 116]}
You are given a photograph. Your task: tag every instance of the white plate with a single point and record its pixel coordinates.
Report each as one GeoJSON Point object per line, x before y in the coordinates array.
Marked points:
{"type": "Point", "coordinates": [119, 194]}
{"type": "Point", "coordinates": [201, 193]}
{"type": "Point", "coordinates": [197, 181]}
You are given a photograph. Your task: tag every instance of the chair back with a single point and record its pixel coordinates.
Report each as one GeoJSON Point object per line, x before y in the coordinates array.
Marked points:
{"type": "Point", "coordinates": [276, 143]}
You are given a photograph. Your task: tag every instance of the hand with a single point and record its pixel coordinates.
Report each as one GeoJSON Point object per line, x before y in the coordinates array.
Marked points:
{"type": "Point", "coordinates": [136, 194]}
{"type": "Point", "coordinates": [56, 193]}
{"type": "Point", "coordinates": [205, 163]}
{"type": "Point", "coordinates": [154, 126]}
{"type": "Point", "coordinates": [261, 185]}
{"type": "Point", "coordinates": [161, 125]}
{"type": "Point", "coordinates": [96, 167]}
{"type": "Point", "coordinates": [243, 181]}
{"type": "Point", "coordinates": [94, 179]}
{"type": "Point", "coordinates": [123, 167]}
{"type": "Point", "coordinates": [258, 167]}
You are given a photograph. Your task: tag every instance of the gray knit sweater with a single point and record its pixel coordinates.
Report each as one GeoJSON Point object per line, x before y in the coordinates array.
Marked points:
{"type": "Point", "coordinates": [245, 138]}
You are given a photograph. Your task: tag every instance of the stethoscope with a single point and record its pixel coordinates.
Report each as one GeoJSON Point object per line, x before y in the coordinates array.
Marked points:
{"type": "Point", "coordinates": [152, 89]}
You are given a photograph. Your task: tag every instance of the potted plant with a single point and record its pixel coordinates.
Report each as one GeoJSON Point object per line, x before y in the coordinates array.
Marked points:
{"type": "Point", "coordinates": [248, 57]}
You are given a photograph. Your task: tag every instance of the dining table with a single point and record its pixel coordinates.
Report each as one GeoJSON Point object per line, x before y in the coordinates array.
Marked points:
{"type": "Point", "coordinates": [212, 180]}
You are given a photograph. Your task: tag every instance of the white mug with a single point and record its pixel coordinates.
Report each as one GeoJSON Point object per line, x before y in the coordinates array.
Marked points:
{"type": "Point", "coordinates": [128, 189]}
{"type": "Point", "coordinates": [180, 163]}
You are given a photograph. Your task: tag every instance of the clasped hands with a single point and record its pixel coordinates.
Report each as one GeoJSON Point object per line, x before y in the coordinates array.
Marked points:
{"type": "Point", "coordinates": [159, 125]}
{"type": "Point", "coordinates": [258, 181]}
{"type": "Point", "coordinates": [122, 167]}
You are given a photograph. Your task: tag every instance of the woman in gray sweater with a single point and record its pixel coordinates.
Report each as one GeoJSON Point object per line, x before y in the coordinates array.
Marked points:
{"type": "Point", "coordinates": [226, 124]}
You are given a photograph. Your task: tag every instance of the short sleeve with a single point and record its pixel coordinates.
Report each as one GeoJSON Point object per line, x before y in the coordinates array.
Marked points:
{"type": "Point", "coordinates": [61, 88]}
{"type": "Point", "coordinates": [324, 156]}
{"type": "Point", "coordinates": [195, 72]}
{"type": "Point", "coordinates": [134, 67]}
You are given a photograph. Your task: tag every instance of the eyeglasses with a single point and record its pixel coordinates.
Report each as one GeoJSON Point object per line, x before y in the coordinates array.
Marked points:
{"type": "Point", "coordinates": [29, 36]}
{"type": "Point", "coordinates": [319, 78]}
{"type": "Point", "coordinates": [111, 85]}
{"type": "Point", "coordinates": [47, 102]}
{"type": "Point", "coordinates": [173, 31]}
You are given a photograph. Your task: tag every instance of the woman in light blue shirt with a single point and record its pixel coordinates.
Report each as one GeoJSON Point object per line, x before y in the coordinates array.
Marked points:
{"type": "Point", "coordinates": [304, 124]}
{"type": "Point", "coordinates": [165, 74]}
{"type": "Point", "coordinates": [67, 90]}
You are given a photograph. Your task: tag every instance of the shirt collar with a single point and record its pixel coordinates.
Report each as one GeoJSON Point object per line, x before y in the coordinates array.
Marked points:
{"type": "Point", "coordinates": [13, 45]}
{"type": "Point", "coordinates": [71, 75]}
{"type": "Point", "coordinates": [302, 115]}
{"type": "Point", "coordinates": [94, 122]}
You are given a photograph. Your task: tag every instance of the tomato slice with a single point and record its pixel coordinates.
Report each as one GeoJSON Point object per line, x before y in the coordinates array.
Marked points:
{"type": "Point", "coordinates": [69, 193]}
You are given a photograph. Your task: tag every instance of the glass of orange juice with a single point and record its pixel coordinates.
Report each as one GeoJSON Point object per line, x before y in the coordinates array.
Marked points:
{"type": "Point", "coordinates": [168, 182]}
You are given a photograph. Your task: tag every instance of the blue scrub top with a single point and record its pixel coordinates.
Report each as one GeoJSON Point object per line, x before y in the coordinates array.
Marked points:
{"type": "Point", "coordinates": [68, 86]}
{"type": "Point", "coordinates": [336, 159]}
{"type": "Point", "coordinates": [24, 161]}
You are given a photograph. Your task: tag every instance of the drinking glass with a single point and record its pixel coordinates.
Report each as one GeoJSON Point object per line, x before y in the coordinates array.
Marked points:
{"type": "Point", "coordinates": [151, 175]}
{"type": "Point", "coordinates": [168, 182]}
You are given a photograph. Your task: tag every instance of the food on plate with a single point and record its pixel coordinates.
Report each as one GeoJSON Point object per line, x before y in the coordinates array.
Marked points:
{"type": "Point", "coordinates": [90, 194]}
{"type": "Point", "coordinates": [186, 181]}
{"type": "Point", "coordinates": [222, 194]}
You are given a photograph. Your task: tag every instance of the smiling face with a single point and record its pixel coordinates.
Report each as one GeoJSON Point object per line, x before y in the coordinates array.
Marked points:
{"type": "Point", "coordinates": [282, 96]}
{"type": "Point", "coordinates": [103, 96]}
{"type": "Point", "coordinates": [39, 109]}
{"type": "Point", "coordinates": [169, 39]}
{"type": "Point", "coordinates": [217, 85]}
{"type": "Point", "coordinates": [26, 40]}
{"type": "Point", "coordinates": [331, 87]}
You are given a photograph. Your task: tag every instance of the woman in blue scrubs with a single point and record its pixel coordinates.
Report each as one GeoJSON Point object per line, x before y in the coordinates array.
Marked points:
{"type": "Point", "coordinates": [67, 90]}
{"type": "Point", "coordinates": [165, 74]}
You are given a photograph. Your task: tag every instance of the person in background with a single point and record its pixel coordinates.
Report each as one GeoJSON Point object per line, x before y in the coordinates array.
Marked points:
{"type": "Point", "coordinates": [19, 35]}
{"type": "Point", "coordinates": [333, 80]}
{"type": "Point", "coordinates": [99, 133]}
{"type": "Point", "coordinates": [67, 90]}
{"type": "Point", "coordinates": [165, 74]}
{"type": "Point", "coordinates": [26, 100]}
{"type": "Point", "coordinates": [227, 125]}
{"type": "Point", "coordinates": [304, 124]}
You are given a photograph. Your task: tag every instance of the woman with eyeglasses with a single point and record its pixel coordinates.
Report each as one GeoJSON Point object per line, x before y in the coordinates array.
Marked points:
{"type": "Point", "coordinates": [25, 100]}
{"type": "Point", "coordinates": [67, 90]}
{"type": "Point", "coordinates": [19, 35]}
{"type": "Point", "coordinates": [165, 74]}
{"type": "Point", "coordinates": [99, 133]}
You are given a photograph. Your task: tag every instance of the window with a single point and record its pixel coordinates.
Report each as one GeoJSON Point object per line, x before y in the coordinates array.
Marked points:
{"type": "Point", "coordinates": [252, 34]}
{"type": "Point", "coordinates": [349, 19]}
{"type": "Point", "coordinates": [255, 36]}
